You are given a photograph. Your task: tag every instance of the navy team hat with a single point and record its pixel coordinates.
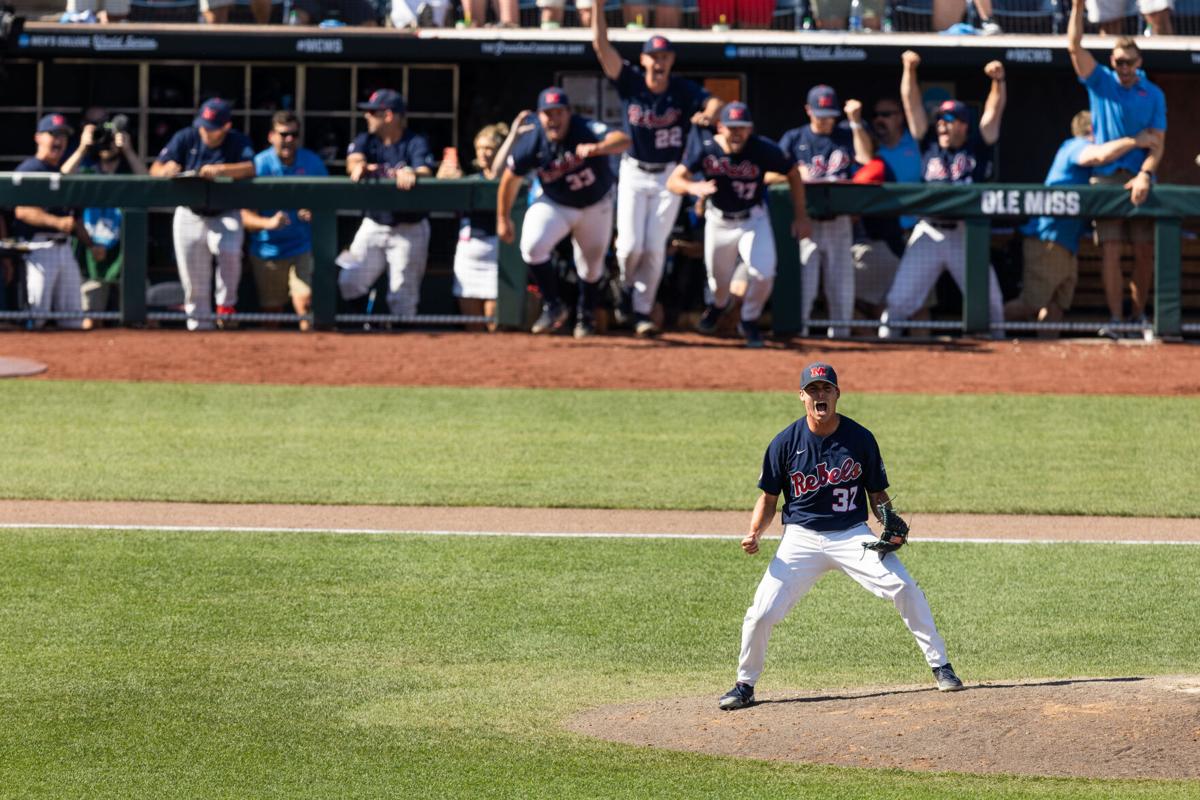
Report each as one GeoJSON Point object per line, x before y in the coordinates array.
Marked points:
{"type": "Point", "coordinates": [56, 124]}
{"type": "Point", "coordinates": [658, 44]}
{"type": "Point", "coordinates": [384, 100]}
{"type": "Point", "coordinates": [953, 109]}
{"type": "Point", "coordinates": [552, 97]}
{"type": "Point", "coordinates": [214, 114]}
{"type": "Point", "coordinates": [817, 371]}
{"type": "Point", "coordinates": [823, 101]}
{"type": "Point", "coordinates": [736, 115]}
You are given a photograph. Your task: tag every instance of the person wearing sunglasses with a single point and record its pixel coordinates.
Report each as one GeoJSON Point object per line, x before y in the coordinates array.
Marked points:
{"type": "Point", "coordinates": [953, 152]}
{"type": "Point", "coordinates": [1124, 102]}
{"type": "Point", "coordinates": [281, 239]}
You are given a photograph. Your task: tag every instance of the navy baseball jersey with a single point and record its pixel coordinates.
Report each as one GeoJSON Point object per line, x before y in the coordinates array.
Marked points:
{"type": "Point", "coordinates": [824, 481]}
{"type": "Point", "coordinates": [971, 163]}
{"type": "Point", "coordinates": [740, 176]}
{"type": "Point", "coordinates": [24, 231]}
{"type": "Point", "coordinates": [566, 178]}
{"type": "Point", "coordinates": [410, 150]}
{"type": "Point", "coordinates": [658, 124]}
{"type": "Point", "coordinates": [827, 158]}
{"type": "Point", "coordinates": [188, 150]}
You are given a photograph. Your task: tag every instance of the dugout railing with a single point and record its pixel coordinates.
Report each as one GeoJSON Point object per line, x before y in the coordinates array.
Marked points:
{"type": "Point", "coordinates": [978, 206]}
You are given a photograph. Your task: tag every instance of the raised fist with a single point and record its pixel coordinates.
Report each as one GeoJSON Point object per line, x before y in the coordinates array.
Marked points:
{"type": "Point", "coordinates": [911, 59]}
{"type": "Point", "coordinates": [853, 109]}
{"type": "Point", "coordinates": [994, 70]}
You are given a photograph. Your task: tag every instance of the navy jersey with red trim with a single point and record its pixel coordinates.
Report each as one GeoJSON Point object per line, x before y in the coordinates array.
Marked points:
{"type": "Point", "coordinates": [566, 178]}
{"type": "Point", "coordinates": [410, 150]}
{"type": "Point", "coordinates": [971, 163]}
{"type": "Point", "coordinates": [824, 480]}
{"type": "Point", "coordinates": [827, 157]}
{"type": "Point", "coordinates": [739, 177]}
{"type": "Point", "coordinates": [657, 124]}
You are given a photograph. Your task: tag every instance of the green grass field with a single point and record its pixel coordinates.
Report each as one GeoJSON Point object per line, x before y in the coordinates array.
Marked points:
{"type": "Point", "coordinates": [159, 665]}
{"type": "Point", "coordinates": [675, 450]}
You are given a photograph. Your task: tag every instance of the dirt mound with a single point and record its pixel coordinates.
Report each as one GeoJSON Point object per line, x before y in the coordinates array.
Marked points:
{"type": "Point", "coordinates": [1079, 727]}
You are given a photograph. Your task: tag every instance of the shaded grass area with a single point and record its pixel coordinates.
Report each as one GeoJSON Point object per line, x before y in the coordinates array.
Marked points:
{"type": "Point", "coordinates": [233, 665]}
{"type": "Point", "coordinates": [618, 449]}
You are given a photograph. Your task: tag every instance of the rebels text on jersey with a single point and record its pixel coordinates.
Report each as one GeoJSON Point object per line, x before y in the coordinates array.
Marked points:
{"type": "Point", "coordinates": [824, 480]}
{"type": "Point", "coordinates": [410, 150]}
{"type": "Point", "coordinates": [739, 177]}
{"type": "Point", "coordinates": [566, 178]}
{"type": "Point", "coordinates": [827, 158]}
{"type": "Point", "coordinates": [971, 163]}
{"type": "Point", "coordinates": [658, 124]}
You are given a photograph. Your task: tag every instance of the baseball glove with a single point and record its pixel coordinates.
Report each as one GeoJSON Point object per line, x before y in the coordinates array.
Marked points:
{"type": "Point", "coordinates": [894, 535]}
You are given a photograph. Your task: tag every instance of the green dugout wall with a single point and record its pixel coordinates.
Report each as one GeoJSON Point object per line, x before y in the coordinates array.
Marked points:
{"type": "Point", "coordinates": [978, 205]}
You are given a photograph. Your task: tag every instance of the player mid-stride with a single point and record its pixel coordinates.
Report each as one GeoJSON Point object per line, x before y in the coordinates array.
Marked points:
{"type": "Point", "coordinates": [659, 110]}
{"type": "Point", "coordinates": [828, 469]}
{"type": "Point", "coordinates": [733, 166]}
{"type": "Point", "coordinates": [570, 154]}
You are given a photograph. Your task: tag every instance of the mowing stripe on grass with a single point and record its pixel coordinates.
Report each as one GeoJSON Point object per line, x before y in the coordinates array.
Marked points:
{"type": "Point", "coordinates": [530, 534]}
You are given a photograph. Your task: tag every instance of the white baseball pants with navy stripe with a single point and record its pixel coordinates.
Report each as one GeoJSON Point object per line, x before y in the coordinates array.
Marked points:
{"type": "Point", "coordinates": [197, 241]}
{"type": "Point", "coordinates": [802, 558]}
{"type": "Point", "coordinates": [752, 240]}
{"type": "Point", "coordinates": [547, 222]}
{"type": "Point", "coordinates": [403, 248]}
{"type": "Point", "coordinates": [52, 281]}
{"type": "Point", "coordinates": [826, 262]}
{"type": "Point", "coordinates": [646, 212]}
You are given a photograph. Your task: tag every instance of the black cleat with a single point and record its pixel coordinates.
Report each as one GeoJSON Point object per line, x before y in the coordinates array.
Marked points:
{"type": "Point", "coordinates": [554, 316]}
{"type": "Point", "coordinates": [749, 329]}
{"type": "Point", "coordinates": [947, 681]}
{"type": "Point", "coordinates": [709, 319]}
{"type": "Point", "coordinates": [740, 696]}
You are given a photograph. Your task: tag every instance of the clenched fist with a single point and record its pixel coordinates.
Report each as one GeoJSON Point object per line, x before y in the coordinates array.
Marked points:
{"type": "Point", "coordinates": [911, 59]}
{"type": "Point", "coordinates": [994, 70]}
{"type": "Point", "coordinates": [853, 109]}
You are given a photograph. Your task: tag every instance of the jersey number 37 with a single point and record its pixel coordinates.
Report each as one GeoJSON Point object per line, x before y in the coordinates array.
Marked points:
{"type": "Point", "coordinates": [843, 499]}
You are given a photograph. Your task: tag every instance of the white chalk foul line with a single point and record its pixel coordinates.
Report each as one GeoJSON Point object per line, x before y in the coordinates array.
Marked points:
{"type": "Point", "coordinates": [535, 534]}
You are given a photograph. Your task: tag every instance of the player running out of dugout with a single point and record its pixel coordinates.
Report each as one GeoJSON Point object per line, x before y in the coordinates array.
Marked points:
{"type": "Point", "coordinates": [828, 469]}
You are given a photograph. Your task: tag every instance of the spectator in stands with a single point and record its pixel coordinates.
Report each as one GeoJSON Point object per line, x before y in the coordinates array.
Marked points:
{"type": "Point", "coordinates": [281, 240]}
{"type": "Point", "coordinates": [507, 12]}
{"type": "Point", "coordinates": [1052, 243]}
{"type": "Point", "coordinates": [827, 150]}
{"type": "Point", "coordinates": [397, 240]}
{"type": "Point", "coordinates": [947, 13]}
{"type": "Point", "coordinates": [1110, 15]}
{"type": "Point", "coordinates": [52, 281]}
{"type": "Point", "coordinates": [834, 14]}
{"type": "Point", "coordinates": [104, 149]}
{"type": "Point", "coordinates": [215, 12]}
{"type": "Point", "coordinates": [1123, 103]}
{"type": "Point", "coordinates": [207, 149]}
{"type": "Point", "coordinates": [667, 13]}
{"type": "Point", "coordinates": [552, 13]}
{"type": "Point", "coordinates": [954, 154]}
{"type": "Point", "coordinates": [360, 13]}
{"type": "Point", "coordinates": [102, 11]}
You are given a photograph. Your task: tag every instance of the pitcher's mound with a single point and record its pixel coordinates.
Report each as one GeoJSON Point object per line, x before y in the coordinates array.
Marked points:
{"type": "Point", "coordinates": [19, 367]}
{"type": "Point", "coordinates": [1083, 727]}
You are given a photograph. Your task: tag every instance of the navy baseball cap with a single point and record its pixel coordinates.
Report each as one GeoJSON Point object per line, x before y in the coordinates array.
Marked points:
{"type": "Point", "coordinates": [658, 44]}
{"type": "Point", "coordinates": [817, 371]}
{"type": "Point", "coordinates": [56, 124]}
{"type": "Point", "coordinates": [736, 115]}
{"type": "Point", "coordinates": [214, 114]}
{"type": "Point", "coordinates": [384, 100]}
{"type": "Point", "coordinates": [823, 101]}
{"type": "Point", "coordinates": [953, 109]}
{"type": "Point", "coordinates": [553, 97]}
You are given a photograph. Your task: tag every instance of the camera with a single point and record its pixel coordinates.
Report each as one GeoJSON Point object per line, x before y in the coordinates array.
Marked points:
{"type": "Point", "coordinates": [106, 134]}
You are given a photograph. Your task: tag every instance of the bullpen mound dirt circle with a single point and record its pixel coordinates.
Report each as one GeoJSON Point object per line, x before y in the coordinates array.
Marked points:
{"type": "Point", "coordinates": [1079, 727]}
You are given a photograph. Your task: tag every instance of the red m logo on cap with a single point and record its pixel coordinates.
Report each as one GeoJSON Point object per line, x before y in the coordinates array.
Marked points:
{"type": "Point", "coordinates": [659, 41]}
{"type": "Point", "coordinates": [818, 372]}
{"type": "Point", "coordinates": [210, 113]}
{"type": "Point", "coordinates": [59, 119]}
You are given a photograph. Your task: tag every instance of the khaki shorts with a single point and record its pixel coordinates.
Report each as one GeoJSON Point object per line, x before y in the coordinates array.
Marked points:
{"type": "Point", "coordinates": [1050, 275]}
{"type": "Point", "coordinates": [276, 278]}
{"type": "Point", "coordinates": [1121, 230]}
{"type": "Point", "coordinates": [840, 9]}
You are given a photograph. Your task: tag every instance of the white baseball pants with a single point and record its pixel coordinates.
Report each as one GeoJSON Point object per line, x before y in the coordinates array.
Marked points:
{"type": "Point", "coordinates": [802, 558]}
{"type": "Point", "coordinates": [52, 281]}
{"type": "Point", "coordinates": [197, 240]}
{"type": "Point", "coordinates": [590, 228]}
{"type": "Point", "coordinates": [752, 240]}
{"type": "Point", "coordinates": [933, 247]}
{"type": "Point", "coordinates": [827, 253]}
{"type": "Point", "coordinates": [646, 212]}
{"type": "Point", "coordinates": [403, 248]}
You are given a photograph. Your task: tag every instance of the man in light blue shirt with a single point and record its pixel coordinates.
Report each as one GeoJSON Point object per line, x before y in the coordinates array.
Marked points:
{"type": "Point", "coordinates": [1124, 103]}
{"type": "Point", "coordinates": [896, 146]}
{"type": "Point", "coordinates": [1051, 243]}
{"type": "Point", "coordinates": [281, 241]}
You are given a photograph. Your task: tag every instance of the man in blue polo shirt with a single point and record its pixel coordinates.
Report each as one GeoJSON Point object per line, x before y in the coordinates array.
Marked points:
{"type": "Point", "coordinates": [1124, 102]}
{"type": "Point", "coordinates": [281, 241]}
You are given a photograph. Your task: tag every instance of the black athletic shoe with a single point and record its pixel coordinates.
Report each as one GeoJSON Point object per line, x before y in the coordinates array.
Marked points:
{"type": "Point", "coordinates": [709, 319]}
{"type": "Point", "coordinates": [749, 329]}
{"type": "Point", "coordinates": [644, 327]}
{"type": "Point", "coordinates": [554, 316]}
{"type": "Point", "coordinates": [740, 696]}
{"type": "Point", "coordinates": [947, 681]}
